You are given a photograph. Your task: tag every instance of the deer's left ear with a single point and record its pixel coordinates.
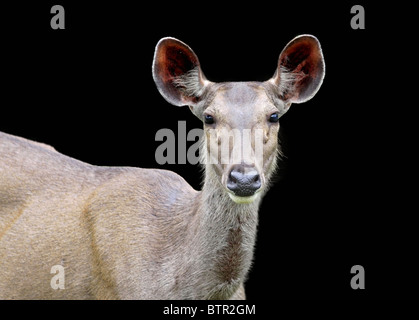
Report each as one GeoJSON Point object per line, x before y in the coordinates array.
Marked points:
{"type": "Point", "coordinates": [300, 70]}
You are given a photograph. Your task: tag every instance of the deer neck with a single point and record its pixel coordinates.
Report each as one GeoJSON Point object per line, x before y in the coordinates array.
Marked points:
{"type": "Point", "coordinates": [228, 235]}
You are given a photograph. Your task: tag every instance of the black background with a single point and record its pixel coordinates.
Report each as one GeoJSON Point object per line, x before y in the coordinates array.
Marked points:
{"type": "Point", "coordinates": [345, 191]}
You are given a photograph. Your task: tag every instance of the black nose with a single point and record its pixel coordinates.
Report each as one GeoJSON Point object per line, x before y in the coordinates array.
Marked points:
{"type": "Point", "coordinates": [243, 181]}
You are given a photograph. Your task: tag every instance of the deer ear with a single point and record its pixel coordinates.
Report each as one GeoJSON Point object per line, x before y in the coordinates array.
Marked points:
{"type": "Point", "coordinates": [177, 73]}
{"type": "Point", "coordinates": [300, 69]}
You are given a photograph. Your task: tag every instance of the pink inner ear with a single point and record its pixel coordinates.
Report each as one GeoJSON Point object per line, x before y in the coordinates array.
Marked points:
{"type": "Point", "coordinates": [172, 60]}
{"type": "Point", "coordinates": [302, 61]}
{"type": "Point", "coordinates": [298, 58]}
{"type": "Point", "coordinates": [175, 59]}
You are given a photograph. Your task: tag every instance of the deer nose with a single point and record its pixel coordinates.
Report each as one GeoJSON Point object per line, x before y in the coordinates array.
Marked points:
{"type": "Point", "coordinates": [243, 181]}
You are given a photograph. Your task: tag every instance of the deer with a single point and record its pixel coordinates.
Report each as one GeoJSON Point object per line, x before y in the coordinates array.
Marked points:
{"type": "Point", "coordinates": [133, 233]}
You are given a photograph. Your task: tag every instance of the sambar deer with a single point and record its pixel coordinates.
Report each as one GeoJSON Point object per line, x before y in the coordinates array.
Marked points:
{"type": "Point", "coordinates": [130, 233]}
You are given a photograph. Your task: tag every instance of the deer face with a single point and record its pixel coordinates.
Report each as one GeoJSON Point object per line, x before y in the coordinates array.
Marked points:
{"type": "Point", "coordinates": [241, 128]}
{"type": "Point", "coordinates": [241, 119]}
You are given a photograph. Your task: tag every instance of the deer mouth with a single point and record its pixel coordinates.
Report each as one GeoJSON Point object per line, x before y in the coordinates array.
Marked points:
{"type": "Point", "coordinates": [243, 183]}
{"type": "Point", "coordinates": [243, 200]}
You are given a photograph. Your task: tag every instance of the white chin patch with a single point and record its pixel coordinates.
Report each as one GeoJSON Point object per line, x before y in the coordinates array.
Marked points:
{"type": "Point", "coordinates": [237, 199]}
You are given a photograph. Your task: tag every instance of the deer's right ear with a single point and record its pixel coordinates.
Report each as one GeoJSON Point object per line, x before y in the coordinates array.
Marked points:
{"type": "Point", "coordinates": [177, 73]}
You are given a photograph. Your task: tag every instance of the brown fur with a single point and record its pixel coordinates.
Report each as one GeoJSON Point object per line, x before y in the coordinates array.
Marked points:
{"type": "Point", "coordinates": [130, 233]}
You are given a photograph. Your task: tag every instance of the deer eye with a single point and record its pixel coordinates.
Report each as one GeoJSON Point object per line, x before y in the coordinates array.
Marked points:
{"type": "Point", "coordinates": [274, 117]}
{"type": "Point", "coordinates": [208, 119]}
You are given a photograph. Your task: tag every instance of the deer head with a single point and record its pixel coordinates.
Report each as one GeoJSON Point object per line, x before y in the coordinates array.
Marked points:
{"type": "Point", "coordinates": [241, 119]}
